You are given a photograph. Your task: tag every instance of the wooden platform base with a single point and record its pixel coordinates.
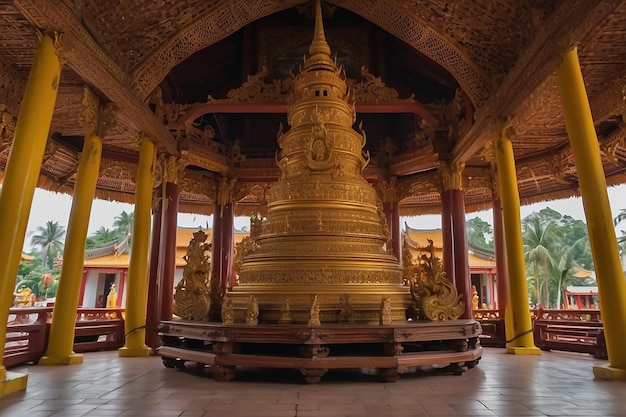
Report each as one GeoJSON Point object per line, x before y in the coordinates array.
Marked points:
{"type": "Point", "coordinates": [392, 350]}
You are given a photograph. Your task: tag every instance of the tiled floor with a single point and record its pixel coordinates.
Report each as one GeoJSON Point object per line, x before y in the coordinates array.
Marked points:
{"type": "Point", "coordinates": [552, 384]}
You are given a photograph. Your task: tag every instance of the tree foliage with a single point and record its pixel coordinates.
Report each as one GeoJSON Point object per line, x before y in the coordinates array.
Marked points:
{"type": "Point", "coordinates": [555, 247]}
{"type": "Point", "coordinates": [478, 231]}
{"type": "Point", "coordinates": [50, 238]}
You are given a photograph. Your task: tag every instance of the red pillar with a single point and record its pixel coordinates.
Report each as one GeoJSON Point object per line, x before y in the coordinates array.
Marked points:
{"type": "Point", "coordinates": [153, 313]}
{"type": "Point", "coordinates": [492, 292]}
{"type": "Point", "coordinates": [392, 216]}
{"type": "Point", "coordinates": [395, 231]}
{"type": "Point", "coordinates": [216, 242]}
{"type": "Point", "coordinates": [170, 218]}
{"type": "Point", "coordinates": [462, 279]}
{"type": "Point", "coordinates": [81, 293]}
{"type": "Point", "coordinates": [446, 234]}
{"type": "Point", "coordinates": [227, 245]}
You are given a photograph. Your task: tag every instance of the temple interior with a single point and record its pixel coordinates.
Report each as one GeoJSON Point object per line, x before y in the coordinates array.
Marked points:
{"type": "Point", "coordinates": [324, 122]}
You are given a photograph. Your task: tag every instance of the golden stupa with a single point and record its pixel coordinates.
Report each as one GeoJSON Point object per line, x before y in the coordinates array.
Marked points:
{"type": "Point", "coordinates": [323, 245]}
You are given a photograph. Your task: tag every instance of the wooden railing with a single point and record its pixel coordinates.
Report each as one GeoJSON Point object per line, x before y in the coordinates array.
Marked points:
{"type": "Point", "coordinates": [27, 334]}
{"type": "Point", "coordinates": [28, 329]}
{"type": "Point", "coordinates": [493, 328]}
{"type": "Point", "coordinates": [570, 330]}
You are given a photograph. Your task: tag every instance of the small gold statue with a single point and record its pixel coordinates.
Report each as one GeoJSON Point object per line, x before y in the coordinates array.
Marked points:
{"type": "Point", "coordinates": [227, 311]}
{"type": "Point", "coordinates": [385, 311]}
{"type": "Point", "coordinates": [347, 312]}
{"type": "Point", "coordinates": [252, 312]}
{"type": "Point", "coordinates": [314, 318]}
{"type": "Point", "coordinates": [285, 313]}
{"type": "Point", "coordinates": [475, 298]}
{"type": "Point", "coordinates": [111, 302]}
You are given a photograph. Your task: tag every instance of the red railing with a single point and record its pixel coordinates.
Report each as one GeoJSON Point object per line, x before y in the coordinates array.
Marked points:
{"type": "Point", "coordinates": [28, 329]}
{"type": "Point", "coordinates": [571, 330]}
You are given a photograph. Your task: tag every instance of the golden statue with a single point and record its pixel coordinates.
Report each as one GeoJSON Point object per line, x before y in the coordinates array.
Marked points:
{"type": "Point", "coordinates": [192, 297]}
{"type": "Point", "coordinates": [285, 313]}
{"type": "Point", "coordinates": [252, 311]}
{"type": "Point", "coordinates": [111, 302]}
{"type": "Point", "coordinates": [314, 314]}
{"type": "Point", "coordinates": [475, 298]}
{"type": "Point", "coordinates": [227, 311]}
{"type": "Point", "coordinates": [385, 311]}
{"type": "Point", "coordinates": [23, 297]}
{"type": "Point", "coordinates": [346, 312]}
{"type": "Point", "coordinates": [434, 295]}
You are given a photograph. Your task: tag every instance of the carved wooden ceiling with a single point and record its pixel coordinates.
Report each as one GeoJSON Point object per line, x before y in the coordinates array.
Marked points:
{"type": "Point", "coordinates": [208, 81]}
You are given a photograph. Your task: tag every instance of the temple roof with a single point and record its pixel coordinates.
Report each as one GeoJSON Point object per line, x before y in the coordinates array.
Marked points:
{"type": "Point", "coordinates": [208, 82]}
{"type": "Point", "coordinates": [417, 240]}
{"type": "Point", "coordinates": [109, 259]}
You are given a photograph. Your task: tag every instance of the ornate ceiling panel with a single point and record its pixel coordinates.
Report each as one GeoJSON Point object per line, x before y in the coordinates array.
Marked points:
{"type": "Point", "coordinates": [461, 64]}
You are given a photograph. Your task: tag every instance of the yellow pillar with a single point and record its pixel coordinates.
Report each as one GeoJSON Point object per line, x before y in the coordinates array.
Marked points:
{"type": "Point", "coordinates": [20, 180]}
{"type": "Point", "coordinates": [136, 296]}
{"type": "Point", "coordinates": [592, 183]}
{"type": "Point", "coordinates": [61, 339]}
{"type": "Point", "coordinates": [522, 341]}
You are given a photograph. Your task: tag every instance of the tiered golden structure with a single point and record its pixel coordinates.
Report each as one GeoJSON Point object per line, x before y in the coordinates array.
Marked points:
{"type": "Point", "coordinates": [325, 236]}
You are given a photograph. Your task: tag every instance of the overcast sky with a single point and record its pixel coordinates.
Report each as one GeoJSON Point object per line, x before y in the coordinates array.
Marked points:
{"type": "Point", "coordinates": [56, 207]}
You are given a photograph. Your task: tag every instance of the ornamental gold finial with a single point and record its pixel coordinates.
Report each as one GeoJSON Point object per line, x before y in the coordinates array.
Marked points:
{"type": "Point", "coordinates": [319, 51]}
{"type": "Point", "coordinates": [319, 44]}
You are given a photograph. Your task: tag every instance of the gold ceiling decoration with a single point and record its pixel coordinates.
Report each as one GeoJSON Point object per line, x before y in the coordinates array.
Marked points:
{"type": "Point", "coordinates": [501, 55]}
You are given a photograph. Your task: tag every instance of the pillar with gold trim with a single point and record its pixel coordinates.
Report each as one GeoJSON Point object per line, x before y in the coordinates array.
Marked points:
{"type": "Point", "coordinates": [222, 245]}
{"type": "Point", "coordinates": [20, 179]}
{"type": "Point", "coordinates": [455, 232]}
{"type": "Point", "coordinates": [96, 119]}
{"type": "Point", "coordinates": [388, 191]}
{"type": "Point", "coordinates": [155, 270]}
{"type": "Point", "coordinates": [602, 238]}
{"type": "Point", "coordinates": [135, 321]}
{"type": "Point", "coordinates": [172, 172]}
{"type": "Point", "coordinates": [522, 341]}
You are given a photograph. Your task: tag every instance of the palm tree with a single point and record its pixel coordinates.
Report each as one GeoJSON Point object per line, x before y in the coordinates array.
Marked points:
{"type": "Point", "coordinates": [104, 235]}
{"type": "Point", "coordinates": [124, 222]}
{"type": "Point", "coordinates": [567, 266]}
{"type": "Point", "coordinates": [50, 239]}
{"type": "Point", "coordinates": [540, 242]}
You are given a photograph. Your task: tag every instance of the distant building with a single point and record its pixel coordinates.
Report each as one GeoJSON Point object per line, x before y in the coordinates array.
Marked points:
{"type": "Point", "coordinates": [109, 265]}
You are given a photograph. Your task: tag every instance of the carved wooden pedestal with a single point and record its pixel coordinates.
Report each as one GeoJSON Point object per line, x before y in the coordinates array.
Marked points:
{"type": "Point", "coordinates": [391, 349]}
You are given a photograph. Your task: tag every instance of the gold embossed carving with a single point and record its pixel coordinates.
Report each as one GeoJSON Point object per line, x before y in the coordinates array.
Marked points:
{"type": "Point", "coordinates": [373, 90]}
{"type": "Point", "coordinates": [451, 175]}
{"type": "Point", "coordinates": [321, 275]}
{"type": "Point", "coordinates": [256, 90]}
{"type": "Point", "coordinates": [12, 86]}
{"type": "Point", "coordinates": [192, 297]}
{"type": "Point", "coordinates": [224, 192]}
{"type": "Point", "coordinates": [95, 118]}
{"type": "Point", "coordinates": [434, 295]}
{"type": "Point", "coordinates": [7, 130]}
{"type": "Point", "coordinates": [173, 169]}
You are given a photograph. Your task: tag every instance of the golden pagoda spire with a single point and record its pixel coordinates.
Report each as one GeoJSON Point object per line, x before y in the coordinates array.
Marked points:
{"type": "Point", "coordinates": [319, 51]}
{"type": "Point", "coordinates": [319, 44]}
{"type": "Point", "coordinates": [324, 235]}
